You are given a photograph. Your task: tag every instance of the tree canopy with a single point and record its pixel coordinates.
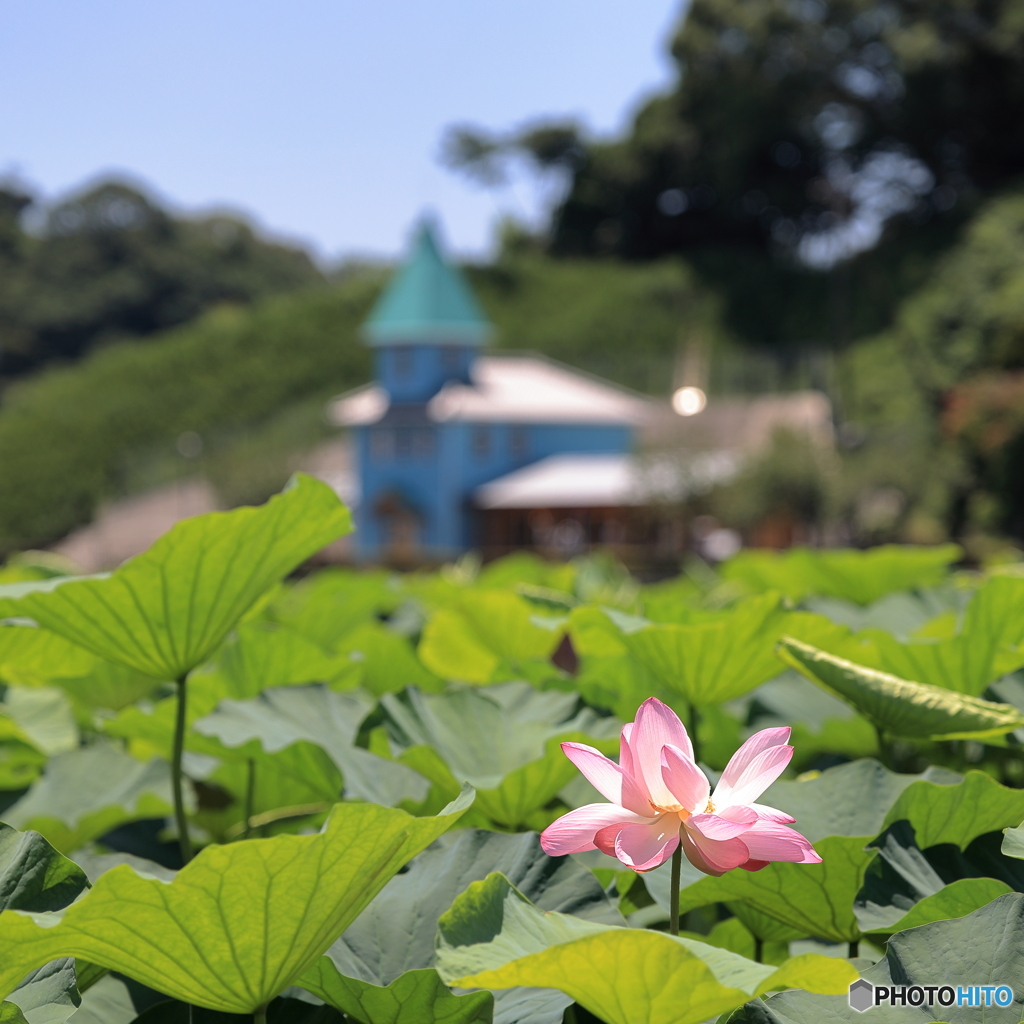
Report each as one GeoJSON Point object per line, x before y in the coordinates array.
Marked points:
{"type": "Point", "coordinates": [110, 263]}
{"type": "Point", "coordinates": [801, 135]}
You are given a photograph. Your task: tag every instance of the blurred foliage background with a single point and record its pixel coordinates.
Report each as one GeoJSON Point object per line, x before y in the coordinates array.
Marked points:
{"type": "Point", "coordinates": [830, 197]}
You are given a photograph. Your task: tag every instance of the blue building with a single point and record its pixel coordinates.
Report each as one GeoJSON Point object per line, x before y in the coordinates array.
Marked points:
{"type": "Point", "coordinates": [457, 447]}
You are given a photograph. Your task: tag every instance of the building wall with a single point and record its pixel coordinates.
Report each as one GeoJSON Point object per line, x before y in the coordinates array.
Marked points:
{"type": "Point", "coordinates": [490, 450]}
{"type": "Point", "coordinates": [415, 373]}
{"type": "Point", "coordinates": [398, 467]}
{"type": "Point", "coordinates": [410, 466]}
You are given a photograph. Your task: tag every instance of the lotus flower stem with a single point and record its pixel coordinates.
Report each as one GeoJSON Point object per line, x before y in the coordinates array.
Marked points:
{"type": "Point", "coordinates": [677, 861]}
{"type": "Point", "coordinates": [179, 747]}
{"type": "Point", "coordinates": [250, 797]}
{"type": "Point", "coordinates": [759, 949]}
{"type": "Point", "coordinates": [260, 1015]}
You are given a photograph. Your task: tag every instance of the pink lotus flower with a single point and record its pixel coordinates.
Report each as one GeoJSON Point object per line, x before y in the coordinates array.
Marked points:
{"type": "Point", "coordinates": [660, 798]}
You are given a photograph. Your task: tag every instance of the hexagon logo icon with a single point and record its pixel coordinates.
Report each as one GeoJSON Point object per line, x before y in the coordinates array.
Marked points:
{"type": "Point", "coordinates": [862, 995]}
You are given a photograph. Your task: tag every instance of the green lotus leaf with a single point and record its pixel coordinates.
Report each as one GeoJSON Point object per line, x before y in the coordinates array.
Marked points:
{"type": "Point", "coordinates": [493, 937]}
{"type": "Point", "coordinates": [483, 735]}
{"type": "Point", "coordinates": [1013, 842]}
{"type": "Point", "coordinates": [12, 593]}
{"type": "Point", "coordinates": [328, 605]}
{"type": "Point", "coordinates": [501, 740]}
{"type": "Point", "coordinates": [239, 923]}
{"type": "Point", "coordinates": [396, 933]}
{"type": "Point", "coordinates": [45, 716]}
{"type": "Point", "coordinates": [30, 656]}
{"type": "Point", "coordinates": [983, 948]}
{"type": "Point", "coordinates": [957, 899]}
{"type": "Point", "coordinates": [595, 632]}
{"type": "Point", "coordinates": [291, 789]}
{"type": "Point", "coordinates": [986, 648]}
{"type": "Point", "coordinates": [859, 576]}
{"type": "Point", "coordinates": [902, 889]}
{"type": "Point", "coordinates": [813, 899]}
{"type": "Point", "coordinates": [299, 776]}
{"type": "Point", "coordinates": [109, 686]}
{"type": "Point", "coordinates": [261, 655]}
{"type": "Point", "coordinates": [762, 926]}
{"type": "Point", "coordinates": [280, 717]}
{"type": "Point", "coordinates": [33, 875]}
{"type": "Point", "coordinates": [851, 799]}
{"type": "Point", "coordinates": [116, 1004]}
{"type": "Point", "coordinates": [486, 635]}
{"type": "Point", "coordinates": [20, 762]}
{"type": "Point", "coordinates": [795, 700]}
{"type": "Point", "coordinates": [619, 683]}
{"type": "Point", "coordinates": [397, 930]}
{"type": "Point", "coordinates": [48, 995]}
{"type": "Point", "coordinates": [151, 727]}
{"type": "Point", "coordinates": [533, 785]}
{"type": "Point", "coordinates": [854, 738]}
{"type": "Point", "coordinates": [713, 662]}
{"type": "Point", "coordinates": [943, 813]}
{"type": "Point", "coordinates": [96, 864]}
{"type": "Point", "coordinates": [524, 567]}
{"type": "Point", "coordinates": [386, 662]}
{"type": "Point", "coordinates": [608, 675]}
{"type": "Point", "coordinates": [167, 610]}
{"type": "Point", "coordinates": [106, 1002]}
{"type": "Point", "coordinates": [903, 614]}
{"type": "Point", "coordinates": [415, 997]}
{"type": "Point", "coordinates": [898, 706]}
{"type": "Point", "coordinates": [89, 791]}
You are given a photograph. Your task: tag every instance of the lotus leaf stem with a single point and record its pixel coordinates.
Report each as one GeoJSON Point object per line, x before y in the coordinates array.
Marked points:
{"type": "Point", "coordinates": [278, 814]}
{"type": "Point", "coordinates": [176, 777]}
{"type": "Point", "coordinates": [250, 796]}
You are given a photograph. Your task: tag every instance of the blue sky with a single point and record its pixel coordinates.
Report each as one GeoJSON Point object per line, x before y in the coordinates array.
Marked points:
{"type": "Point", "coordinates": [318, 118]}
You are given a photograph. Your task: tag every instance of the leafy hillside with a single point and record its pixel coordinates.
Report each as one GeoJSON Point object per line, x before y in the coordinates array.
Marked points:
{"type": "Point", "coordinates": [65, 435]}
{"type": "Point", "coordinates": [110, 262]}
{"type": "Point", "coordinates": [254, 376]}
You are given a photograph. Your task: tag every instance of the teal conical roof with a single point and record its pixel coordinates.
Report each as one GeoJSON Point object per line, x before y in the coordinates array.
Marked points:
{"type": "Point", "coordinates": [427, 301]}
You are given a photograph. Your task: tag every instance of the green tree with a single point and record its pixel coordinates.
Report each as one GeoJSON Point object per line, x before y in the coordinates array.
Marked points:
{"type": "Point", "coordinates": [110, 263]}
{"type": "Point", "coordinates": [797, 132]}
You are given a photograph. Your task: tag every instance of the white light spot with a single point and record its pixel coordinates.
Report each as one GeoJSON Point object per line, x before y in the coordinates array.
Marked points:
{"type": "Point", "coordinates": [689, 401]}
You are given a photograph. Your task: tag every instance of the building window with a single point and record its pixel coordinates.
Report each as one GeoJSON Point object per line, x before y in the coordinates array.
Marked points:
{"type": "Point", "coordinates": [403, 362]}
{"type": "Point", "coordinates": [382, 444]}
{"type": "Point", "coordinates": [414, 442]}
{"type": "Point", "coordinates": [518, 442]}
{"type": "Point", "coordinates": [423, 442]}
{"type": "Point", "coordinates": [481, 442]}
{"type": "Point", "coordinates": [403, 442]}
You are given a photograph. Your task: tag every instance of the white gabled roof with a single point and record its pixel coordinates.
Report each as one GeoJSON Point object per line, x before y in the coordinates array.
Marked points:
{"type": "Point", "coordinates": [603, 481]}
{"type": "Point", "coordinates": [528, 389]}
{"type": "Point", "coordinates": [510, 389]}
{"type": "Point", "coordinates": [358, 407]}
